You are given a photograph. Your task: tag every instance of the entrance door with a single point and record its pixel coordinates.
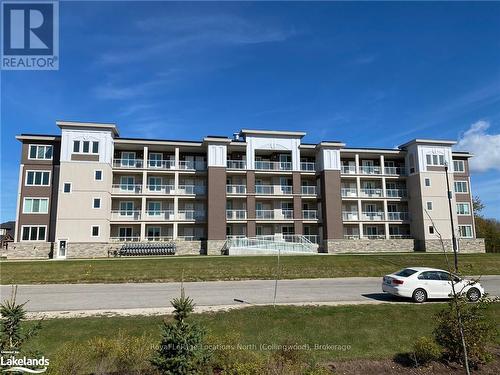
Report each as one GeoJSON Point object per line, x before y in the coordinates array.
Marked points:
{"type": "Point", "coordinates": [155, 159]}
{"type": "Point", "coordinates": [126, 208]}
{"type": "Point", "coordinates": [125, 233]}
{"type": "Point", "coordinates": [61, 249]}
{"type": "Point", "coordinates": [127, 183]}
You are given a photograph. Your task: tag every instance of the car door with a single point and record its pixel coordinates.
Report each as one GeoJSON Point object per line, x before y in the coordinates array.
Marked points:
{"type": "Point", "coordinates": [433, 284]}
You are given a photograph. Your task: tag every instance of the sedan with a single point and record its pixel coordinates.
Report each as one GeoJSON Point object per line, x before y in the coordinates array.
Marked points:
{"type": "Point", "coordinates": [421, 283]}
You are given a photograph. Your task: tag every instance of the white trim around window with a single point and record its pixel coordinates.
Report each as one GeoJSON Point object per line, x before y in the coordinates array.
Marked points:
{"type": "Point", "coordinates": [461, 166]}
{"type": "Point", "coordinates": [94, 199]}
{"type": "Point", "coordinates": [428, 205]}
{"type": "Point", "coordinates": [92, 231]}
{"type": "Point", "coordinates": [36, 153]}
{"type": "Point", "coordinates": [82, 144]}
{"type": "Point", "coordinates": [461, 210]}
{"type": "Point", "coordinates": [30, 232]}
{"type": "Point", "coordinates": [95, 174]}
{"type": "Point", "coordinates": [40, 199]}
{"type": "Point", "coordinates": [35, 171]}
{"type": "Point", "coordinates": [465, 231]}
{"type": "Point", "coordinates": [70, 187]}
{"type": "Point", "coordinates": [463, 187]}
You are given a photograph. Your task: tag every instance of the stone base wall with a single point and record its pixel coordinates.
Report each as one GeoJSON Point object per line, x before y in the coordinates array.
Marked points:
{"type": "Point", "coordinates": [29, 250]}
{"type": "Point", "coordinates": [335, 246]}
{"type": "Point", "coordinates": [214, 247]}
{"type": "Point", "coordinates": [75, 250]}
{"type": "Point", "coordinates": [190, 247]}
{"type": "Point", "coordinates": [465, 245]}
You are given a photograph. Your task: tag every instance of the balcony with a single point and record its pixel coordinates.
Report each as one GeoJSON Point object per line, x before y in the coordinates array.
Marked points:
{"type": "Point", "coordinates": [308, 166]}
{"type": "Point", "coordinates": [159, 238]}
{"type": "Point", "coordinates": [161, 189]}
{"type": "Point", "coordinates": [396, 193]}
{"type": "Point", "coordinates": [126, 215]}
{"type": "Point", "coordinates": [160, 215]}
{"type": "Point", "coordinates": [374, 236]}
{"type": "Point", "coordinates": [191, 190]}
{"type": "Point", "coordinates": [236, 164]}
{"type": "Point", "coordinates": [351, 237]}
{"type": "Point", "coordinates": [349, 192]}
{"type": "Point", "coordinates": [308, 190]}
{"type": "Point", "coordinates": [350, 215]}
{"type": "Point", "coordinates": [397, 216]}
{"type": "Point", "coordinates": [395, 171]}
{"type": "Point", "coordinates": [161, 164]}
{"type": "Point", "coordinates": [126, 188]}
{"type": "Point", "coordinates": [369, 169]}
{"type": "Point", "coordinates": [236, 214]}
{"type": "Point", "coordinates": [191, 215]}
{"type": "Point", "coordinates": [373, 216]}
{"type": "Point", "coordinates": [273, 165]}
{"type": "Point", "coordinates": [399, 236]}
{"type": "Point", "coordinates": [274, 214]}
{"type": "Point", "coordinates": [128, 163]}
{"type": "Point", "coordinates": [273, 189]}
{"type": "Point", "coordinates": [236, 189]}
{"type": "Point", "coordinates": [192, 165]}
{"type": "Point", "coordinates": [348, 169]}
{"type": "Point", "coordinates": [310, 214]}
{"type": "Point", "coordinates": [372, 193]}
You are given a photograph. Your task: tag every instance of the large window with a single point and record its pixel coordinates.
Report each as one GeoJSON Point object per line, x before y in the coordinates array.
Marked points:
{"type": "Point", "coordinates": [41, 152]}
{"type": "Point", "coordinates": [461, 187]}
{"type": "Point", "coordinates": [433, 159]}
{"type": "Point", "coordinates": [458, 166]}
{"type": "Point", "coordinates": [36, 205]}
{"type": "Point", "coordinates": [86, 147]}
{"type": "Point", "coordinates": [33, 233]}
{"type": "Point", "coordinates": [38, 178]}
{"type": "Point", "coordinates": [465, 231]}
{"type": "Point", "coordinates": [463, 209]}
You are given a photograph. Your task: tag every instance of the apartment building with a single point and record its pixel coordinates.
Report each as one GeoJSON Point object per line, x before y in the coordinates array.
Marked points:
{"type": "Point", "coordinates": [88, 190]}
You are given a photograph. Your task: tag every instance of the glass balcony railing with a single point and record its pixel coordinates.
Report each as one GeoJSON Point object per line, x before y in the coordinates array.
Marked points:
{"type": "Point", "coordinates": [236, 189]}
{"type": "Point", "coordinates": [236, 164]}
{"type": "Point", "coordinates": [273, 165]}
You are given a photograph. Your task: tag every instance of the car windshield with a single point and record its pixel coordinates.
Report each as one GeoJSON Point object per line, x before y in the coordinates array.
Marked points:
{"type": "Point", "coordinates": [405, 272]}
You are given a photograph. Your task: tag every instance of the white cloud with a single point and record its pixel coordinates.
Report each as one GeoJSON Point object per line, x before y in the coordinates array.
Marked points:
{"type": "Point", "coordinates": [484, 146]}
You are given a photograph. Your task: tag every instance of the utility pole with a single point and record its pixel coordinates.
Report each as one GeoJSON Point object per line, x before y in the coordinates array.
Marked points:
{"type": "Point", "coordinates": [453, 238]}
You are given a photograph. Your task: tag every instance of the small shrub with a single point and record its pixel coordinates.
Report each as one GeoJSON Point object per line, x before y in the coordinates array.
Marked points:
{"type": "Point", "coordinates": [426, 350]}
{"type": "Point", "coordinates": [71, 359]}
{"type": "Point", "coordinates": [479, 330]}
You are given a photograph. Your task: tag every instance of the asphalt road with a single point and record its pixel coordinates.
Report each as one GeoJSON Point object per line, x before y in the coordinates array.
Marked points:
{"type": "Point", "coordinates": [72, 297]}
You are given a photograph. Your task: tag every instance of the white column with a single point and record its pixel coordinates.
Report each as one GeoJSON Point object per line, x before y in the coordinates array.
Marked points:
{"type": "Point", "coordinates": [356, 161]}
{"type": "Point", "coordinates": [360, 229]}
{"type": "Point", "coordinates": [382, 164]}
{"type": "Point", "coordinates": [143, 216]}
{"type": "Point", "coordinates": [383, 188]}
{"type": "Point", "coordinates": [360, 210]}
{"type": "Point", "coordinates": [146, 156]}
{"type": "Point", "coordinates": [175, 230]}
{"type": "Point", "coordinates": [386, 217]}
{"type": "Point", "coordinates": [358, 187]}
{"type": "Point", "coordinates": [177, 155]}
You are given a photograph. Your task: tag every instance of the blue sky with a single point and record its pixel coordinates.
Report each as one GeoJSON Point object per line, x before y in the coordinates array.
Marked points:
{"type": "Point", "coordinates": [369, 74]}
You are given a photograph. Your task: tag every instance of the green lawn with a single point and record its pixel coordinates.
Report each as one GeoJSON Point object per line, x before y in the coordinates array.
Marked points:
{"type": "Point", "coordinates": [371, 331]}
{"type": "Point", "coordinates": [231, 268]}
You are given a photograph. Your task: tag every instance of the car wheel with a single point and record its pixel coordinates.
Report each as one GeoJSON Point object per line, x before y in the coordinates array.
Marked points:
{"type": "Point", "coordinates": [473, 294]}
{"type": "Point", "coordinates": [419, 295]}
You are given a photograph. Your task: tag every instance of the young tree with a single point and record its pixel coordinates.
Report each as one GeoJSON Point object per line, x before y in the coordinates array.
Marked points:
{"type": "Point", "coordinates": [12, 335]}
{"type": "Point", "coordinates": [181, 350]}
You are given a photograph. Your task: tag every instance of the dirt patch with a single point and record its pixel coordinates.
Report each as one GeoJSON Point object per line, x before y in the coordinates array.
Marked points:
{"type": "Point", "coordinates": [398, 366]}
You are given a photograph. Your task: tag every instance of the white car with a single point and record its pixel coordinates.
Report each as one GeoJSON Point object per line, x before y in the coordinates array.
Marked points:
{"type": "Point", "coordinates": [420, 284]}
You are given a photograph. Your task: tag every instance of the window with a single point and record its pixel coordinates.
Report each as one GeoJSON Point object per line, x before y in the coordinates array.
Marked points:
{"type": "Point", "coordinates": [33, 233]}
{"type": "Point", "coordinates": [433, 159]}
{"type": "Point", "coordinates": [39, 178]}
{"type": "Point", "coordinates": [95, 147]}
{"type": "Point", "coordinates": [41, 152]}
{"type": "Point", "coordinates": [405, 272]}
{"type": "Point", "coordinates": [461, 187]}
{"type": "Point", "coordinates": [95, 230]}
{"type": "Point", "coordinates": [458, 166]}
{"type": "Point", "coordinates": [36, 205]}
{"type": "Point", "coordinates": [463, 209]}
{"type": "Point", "coordinates": [431, 229]}
{"type": "Point", "coordinates": [67, 187]}
{"type": "Point", "coordinates": [465, 231]}
{"type": "Point", "coordinates": [98, 175]}
{"type": "Point", "coordinates": [97, 203]}
{"type": "Point", "coordinates": [76, 146]}
{"type": "Point", "coordinates": [429, 206]}
{"type": "Point", "coordinates": [427, 182]}
{"type": "Point", "coordinates": [86, 145]}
